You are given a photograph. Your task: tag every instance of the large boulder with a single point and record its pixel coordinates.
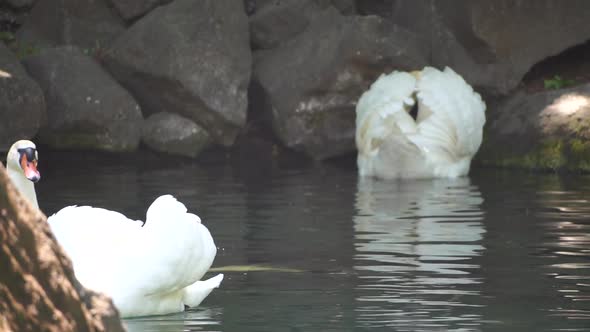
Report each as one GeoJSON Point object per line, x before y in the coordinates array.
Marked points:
{"type": "Point", "coordinates": [493, 44]}
{"type": "Point", "coordinates": [23, 107]}
{"type": "Point", "coordinates": [86, 107]}
{"type": "Point", "coordinates": [20, 3]}
{"type": "Point", "coordinates": [174, 134]}
{"type": "Point", "coordinates": [132, 9]}
{"type": "Point", "coordinates": [309, 86]}
{"type": "Point", "coordinates": [275, 22]}
{"type": "Point", "coordinates": [38, 290]}
{"type": "Point", "coordinates": [89, 24]}
{"type": "Point", "coordinates": [191, 58]}
{"type": "Point", "coordinates": [543, 130]}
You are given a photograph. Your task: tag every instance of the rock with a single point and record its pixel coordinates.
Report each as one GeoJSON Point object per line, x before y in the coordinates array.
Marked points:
{"type": "Point", "coordinates": [493, 44]}
{"type": "Point", "coordinates": [309, 86]}
{"type": "Point", "coordinates": [89, 24]}
{"type": "Point", "coordinates": [21, 3]}
{"type": "Point", "coordinates": [38, 290]}
{"type": "Point", "coordinates": [86, 108]}
{"type": "Point", "coordinates": [278, 21]}
{"type": "Point", "coordinates": [544, 130]}
{"type": "Point", "coordinates": [346, 7]}
{"type": "Point", "coordinates": [23, 106]}
{"type": "Point", "coordinates": [132, 9]}
{"type": "Point", "coordinates": [381, 8]}
{"type": "Point", "coordinates": [191, 58]}
{"type": "Point", "coordinates": [174, 134]}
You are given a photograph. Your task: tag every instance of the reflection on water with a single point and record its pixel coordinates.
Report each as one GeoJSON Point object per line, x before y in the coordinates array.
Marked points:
{"type": "Point", "coordinates": [415, 241]}
{"type": "Point", "coordinates": [565, 218]}
{"type": "Point", "coordinates": [201, 320]}
{"type": "Point", "coordinates": [501, 251]}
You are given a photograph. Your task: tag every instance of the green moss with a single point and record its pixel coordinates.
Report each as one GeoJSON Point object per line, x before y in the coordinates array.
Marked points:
{"type": "Point", "coordinates": [95, 141]}
{"type": "Point", "coordinates": [579, 127]}
{"type": "Point", "coordinates": [548, 155]}
{"type": "Point", "coordinates": [551, 154]}
{"type": "Point", "coordinates": [579, 154]}
{"type": "Point", "coordinates": [557, 82]}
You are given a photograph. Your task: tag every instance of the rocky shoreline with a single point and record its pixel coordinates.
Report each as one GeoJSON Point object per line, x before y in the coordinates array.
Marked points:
{"type": "Point", "coordinates": [185, 76]}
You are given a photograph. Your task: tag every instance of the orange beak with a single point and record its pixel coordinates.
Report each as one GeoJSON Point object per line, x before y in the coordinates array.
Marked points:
{"type": "Point", "coordinates": [30, 168]}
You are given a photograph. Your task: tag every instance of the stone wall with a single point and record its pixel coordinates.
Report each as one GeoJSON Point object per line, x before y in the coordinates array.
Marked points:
{"type": "Point", "coordinates": [294, 68]}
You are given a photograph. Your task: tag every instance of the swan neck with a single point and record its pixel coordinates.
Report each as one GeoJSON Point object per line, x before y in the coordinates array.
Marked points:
{"type": "Point", "coordinates": [23, 185]}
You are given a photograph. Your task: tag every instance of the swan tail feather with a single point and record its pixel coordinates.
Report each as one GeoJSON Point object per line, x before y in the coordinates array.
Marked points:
{"type": "Point", "coordinates": [199, 290]}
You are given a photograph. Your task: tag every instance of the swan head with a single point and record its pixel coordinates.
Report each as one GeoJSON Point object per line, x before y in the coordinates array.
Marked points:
{"type": "Point", "coordinates": [22, 158]}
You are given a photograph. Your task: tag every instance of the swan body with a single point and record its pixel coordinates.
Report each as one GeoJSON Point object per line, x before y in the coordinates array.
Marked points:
{"type": "Point", "coordinates": [438, 142]}
{"type": "Point", "coordinates": [146, 268]}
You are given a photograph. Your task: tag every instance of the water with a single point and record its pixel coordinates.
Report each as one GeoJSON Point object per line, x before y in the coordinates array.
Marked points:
{"type": "Point", "coordinates": [499, 251]}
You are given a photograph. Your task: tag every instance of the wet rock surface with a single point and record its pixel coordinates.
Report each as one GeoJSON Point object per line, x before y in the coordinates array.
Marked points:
{"type": "Point", "coordinates": [191, 58]}
{"type": "Point", "coordinates": [173, 134]}
{"type": "Point", "coordinates": [543, 130]}
{"type": "Point", "coordinates": [86, 108]}
{"type": "Point", "coordinates": [485, 41]}
{"type": "Point", "coordinates": [89, 24]}
{"type": "Point", "coordinates": [23, 106]}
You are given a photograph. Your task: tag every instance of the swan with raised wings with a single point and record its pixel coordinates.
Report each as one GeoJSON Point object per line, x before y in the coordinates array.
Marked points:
{"type": "Point", "coordinates": [147, 268]}
{"type": "Point", "coordinates": [438, 140]}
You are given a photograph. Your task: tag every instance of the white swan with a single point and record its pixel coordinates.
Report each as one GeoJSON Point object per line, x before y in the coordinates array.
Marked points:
{"type": "Point", "coordinates": [147, 268]}
{"type": "Point", "coordinates": [439, 141]}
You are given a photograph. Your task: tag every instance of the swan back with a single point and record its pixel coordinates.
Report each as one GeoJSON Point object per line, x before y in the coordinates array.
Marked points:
{"type": "Point", "coordinates": [95, 239]}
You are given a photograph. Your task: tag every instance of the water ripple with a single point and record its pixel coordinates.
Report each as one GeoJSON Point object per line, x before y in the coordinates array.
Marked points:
{"type": "Point", "coordinates": [414, 242]}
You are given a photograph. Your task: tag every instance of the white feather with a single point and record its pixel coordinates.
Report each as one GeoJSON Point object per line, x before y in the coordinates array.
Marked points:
{"type": "Point", "coordinates": [441, 141]}
{"type": "Point", "coordinates": [145, 269]}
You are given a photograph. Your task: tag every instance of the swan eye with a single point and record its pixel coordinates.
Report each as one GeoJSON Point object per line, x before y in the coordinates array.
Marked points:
{"type": "Point", "coordinates": [30, 153]}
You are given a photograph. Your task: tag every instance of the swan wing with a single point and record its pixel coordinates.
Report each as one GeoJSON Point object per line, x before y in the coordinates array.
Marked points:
{"type": "Point", "coordinates": [173, 251]}
{"type": "Point", "coordinates": [451, 115]}
{"type": "Point", "coordinates": [381, 106]}
{"type": "Point", "coordinates": [93, 238]}
{"type": "Point", "coordinates": [383, 123]}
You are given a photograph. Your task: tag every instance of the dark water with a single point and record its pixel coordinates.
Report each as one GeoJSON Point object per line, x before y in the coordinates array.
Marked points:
{"type": "Point", "coordinates": [499, 251]}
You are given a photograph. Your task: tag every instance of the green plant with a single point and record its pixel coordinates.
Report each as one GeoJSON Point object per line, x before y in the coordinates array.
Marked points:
{"type": "Point", "coordinates": [557, 83]}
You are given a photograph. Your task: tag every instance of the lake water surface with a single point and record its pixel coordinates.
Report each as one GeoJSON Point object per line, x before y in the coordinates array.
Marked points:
{"type": "Point", "coordinates": [319, 250]}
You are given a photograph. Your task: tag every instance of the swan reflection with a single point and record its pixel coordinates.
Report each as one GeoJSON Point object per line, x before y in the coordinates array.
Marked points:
{"type": "Point", "coordinates": [415, 243]}
{"type": "Point", "coordinates": [197, 320]}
